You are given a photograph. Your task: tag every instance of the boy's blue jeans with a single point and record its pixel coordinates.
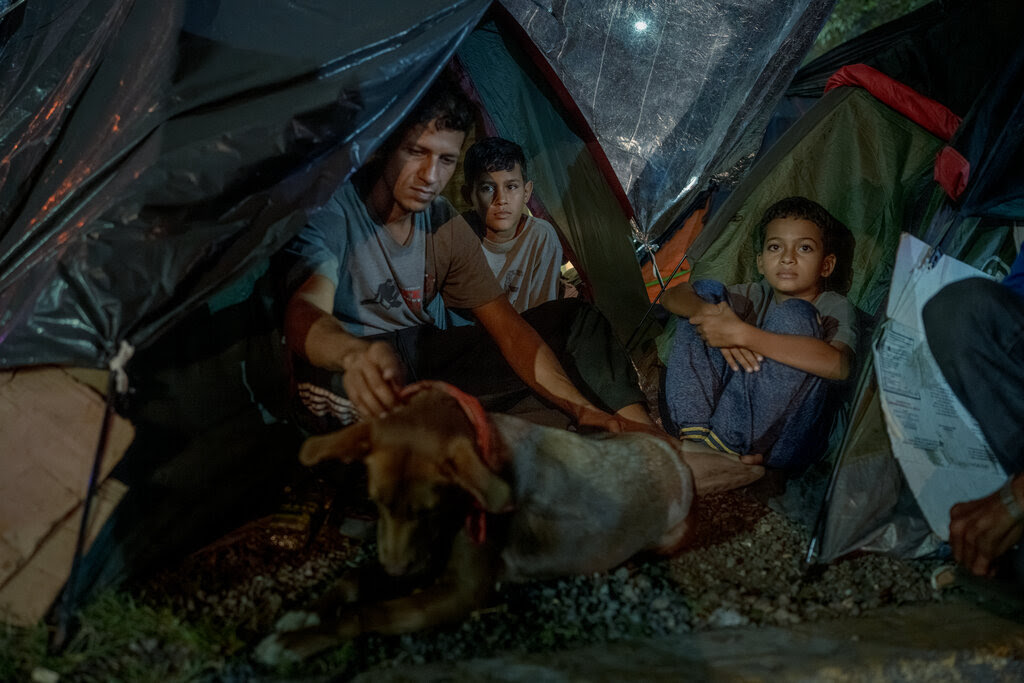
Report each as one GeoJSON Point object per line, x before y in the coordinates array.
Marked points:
{"type": "Point", "coordinates": [776, 411]}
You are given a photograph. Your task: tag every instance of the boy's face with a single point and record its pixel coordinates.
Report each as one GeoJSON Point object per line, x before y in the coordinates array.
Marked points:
{"type": "Point", "coordinates": [498, 197]}
{"type": "Point", "coordinates": [420, 168]}
{"type": "Point", "coordinates": [793, 258]}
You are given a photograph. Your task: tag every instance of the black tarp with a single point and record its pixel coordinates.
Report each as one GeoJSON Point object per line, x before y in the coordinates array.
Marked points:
{"type": "Point", "coordinates": [991, 138]}
{"type": "Point", "coordinates": [154, 151]}
{"type": "Point", "coordinates": [946, 50]}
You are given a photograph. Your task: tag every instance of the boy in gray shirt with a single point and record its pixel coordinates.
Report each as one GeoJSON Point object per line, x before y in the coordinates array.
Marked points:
{"type": "Point", "coordinates": [750, 366]}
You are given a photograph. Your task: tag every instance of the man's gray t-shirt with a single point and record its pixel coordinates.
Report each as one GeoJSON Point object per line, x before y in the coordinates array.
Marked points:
{"type": "Point", "coordinates": [752, 300]}
{"type": "Point", "coordinates": [381, 285]}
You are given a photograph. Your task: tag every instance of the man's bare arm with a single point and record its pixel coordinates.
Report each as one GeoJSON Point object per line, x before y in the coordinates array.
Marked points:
{"type": "Point", "coordinates": [981, 530]}
{"type": "Point", "coordinates": [534, 361]}
{"type": "Point", "coordinates": [373, 374]}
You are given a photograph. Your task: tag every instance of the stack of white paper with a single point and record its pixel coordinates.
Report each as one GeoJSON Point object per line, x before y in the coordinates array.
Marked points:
{"type": "Point", "coordinates": [936, 441]}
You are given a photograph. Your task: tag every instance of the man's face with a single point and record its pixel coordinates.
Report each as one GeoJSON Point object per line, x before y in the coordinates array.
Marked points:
{"type": "Point", "coordinates": [498, 198]}
{"type": "Point", "coordinates": [420, 168]}
{"type": "Point", "coordinates": [793, 258]}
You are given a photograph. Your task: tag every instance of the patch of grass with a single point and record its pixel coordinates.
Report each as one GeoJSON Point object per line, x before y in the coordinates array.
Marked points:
{"type": "Point", "coordinates": [119, 640]}
{"type": "Point", "coordinates": [21, 650]}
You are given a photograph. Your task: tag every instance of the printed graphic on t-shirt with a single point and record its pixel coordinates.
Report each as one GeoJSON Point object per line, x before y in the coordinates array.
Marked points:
{"type": "Point", "coordinates": [413, 298]}
{"type": "Point", "coordinates": [512, 279]}
{"type": "Point", "coordinates": [387, 295]}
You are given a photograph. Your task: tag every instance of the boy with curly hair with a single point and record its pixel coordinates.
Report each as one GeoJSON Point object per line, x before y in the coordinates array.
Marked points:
{"type": "Point", "coordinates": [749, 372]}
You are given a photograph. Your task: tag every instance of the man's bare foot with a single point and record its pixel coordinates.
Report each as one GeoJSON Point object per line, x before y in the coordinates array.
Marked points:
{"type": "Point", "coordinates": [714, 471]}
{"type": "Point", "coordinates": [752, 459]}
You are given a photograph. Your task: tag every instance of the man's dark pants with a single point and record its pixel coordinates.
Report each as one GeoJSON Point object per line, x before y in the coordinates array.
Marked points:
{"type": "Point", "coordinates": [468, 358]}
{"type": "Point", "coordinates": [975, 330]}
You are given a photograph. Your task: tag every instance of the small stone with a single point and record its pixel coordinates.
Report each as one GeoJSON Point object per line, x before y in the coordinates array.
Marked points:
{"type": "Point", "coordinates": [723, 618]}
{"type": "Point", "coordinates": [44, 675]}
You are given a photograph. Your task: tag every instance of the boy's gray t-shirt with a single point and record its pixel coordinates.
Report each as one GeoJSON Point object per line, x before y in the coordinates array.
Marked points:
{"type": "Point", "coordinates": [381, 285]}
{"type": "Point", "coordinates": [528, 265]}
{"type": "Point", "coordinates": [752, 300]}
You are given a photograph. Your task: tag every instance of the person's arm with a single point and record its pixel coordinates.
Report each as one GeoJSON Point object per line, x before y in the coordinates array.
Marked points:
{"type": "Point", "coordinates": [684, 302]}
{"type": "Point", "coordinates": [373, 374]}
{"type": "Point", "coordinates": [534, 361]}
{"type": "Point", "coordinates": [980, 531]}
{"type": "Point", "coordinates": [721, 327]}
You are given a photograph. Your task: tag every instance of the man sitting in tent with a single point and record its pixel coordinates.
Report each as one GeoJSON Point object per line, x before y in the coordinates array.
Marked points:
{"type": "Point", "coordinates": [975, 330]}
{"type": "Point", "coordinates": [370, 262]}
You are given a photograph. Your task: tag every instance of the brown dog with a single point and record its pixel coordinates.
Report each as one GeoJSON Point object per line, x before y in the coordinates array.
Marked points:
{"type": "Point", "coordinates": [467, 499]}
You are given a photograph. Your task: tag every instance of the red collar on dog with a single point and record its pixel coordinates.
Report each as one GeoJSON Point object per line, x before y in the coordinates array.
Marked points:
{"type": "Point", "coordinates": [476, 523]}
{"type": "Point", "coordinates": [474, 411]}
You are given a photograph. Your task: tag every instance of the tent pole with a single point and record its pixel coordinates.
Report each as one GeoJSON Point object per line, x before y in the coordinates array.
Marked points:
{"type": "Point", "coordinates": [647, 313]}
{"type": "Point", "coordinates": [117, 384]}
{"type": "Point", "coordinates": [69, 596]}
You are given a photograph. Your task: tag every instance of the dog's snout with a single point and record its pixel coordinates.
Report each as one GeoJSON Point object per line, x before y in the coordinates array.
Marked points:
{"type": "Point", "coordinates": [396, 567]}
{"type": "Point", "coordinates": [396, 547]}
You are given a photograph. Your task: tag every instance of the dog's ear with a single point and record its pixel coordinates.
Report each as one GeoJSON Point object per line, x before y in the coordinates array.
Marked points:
{"type": "Point", "coordinates": [347, 445]}
{"type": "Point", "coordinates": [465, 469]}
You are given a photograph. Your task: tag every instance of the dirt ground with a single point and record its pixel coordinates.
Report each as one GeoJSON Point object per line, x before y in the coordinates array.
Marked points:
{"type": "Point", "coordinates": [744, 567]}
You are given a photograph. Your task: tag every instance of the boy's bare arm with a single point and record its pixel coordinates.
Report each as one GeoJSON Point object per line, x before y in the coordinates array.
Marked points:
{"type": "Point", "coordinates": [722, 328]}
{"type": "Point", "coordinates": [803, 353]}
{"type": "Point", "coordinates": [373, 374]}
{"type": "Point", "coordinates": [683, 301]}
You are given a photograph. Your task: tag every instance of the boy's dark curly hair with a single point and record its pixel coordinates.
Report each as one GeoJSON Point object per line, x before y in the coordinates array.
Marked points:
{"type": "Point", "coordinates": [835, 236]}
{"type": "Point", "coordinates": [492, 154]}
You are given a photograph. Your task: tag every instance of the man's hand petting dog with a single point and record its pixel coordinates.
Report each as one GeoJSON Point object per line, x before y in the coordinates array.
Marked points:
{"type": "Point", "coordinates": [466, 499]}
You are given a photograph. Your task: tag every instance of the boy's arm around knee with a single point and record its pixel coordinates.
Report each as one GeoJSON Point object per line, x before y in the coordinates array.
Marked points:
{"type": "Point", "coordinates": [823, 359]}
{"type": "Point", "coordinates": [684, 302]}
{"type": "Point", "coordinates": [722, 328]}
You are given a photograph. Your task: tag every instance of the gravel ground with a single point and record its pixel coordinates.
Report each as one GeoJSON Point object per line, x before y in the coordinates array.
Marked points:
{"type": "Point", "coordinates": [744, 567]}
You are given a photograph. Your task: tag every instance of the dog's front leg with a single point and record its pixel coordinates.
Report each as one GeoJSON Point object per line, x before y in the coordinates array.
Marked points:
{"type": "Point", "coordinates": [296, 641]}
{"type": "Point", "coordinates": [465, 585]}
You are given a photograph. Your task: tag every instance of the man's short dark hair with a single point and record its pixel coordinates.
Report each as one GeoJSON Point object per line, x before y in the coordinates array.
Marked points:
{"type": "Point", "coordinates": [492, 154]}
{"type": "Point", "coordinates": [835, 236]}
{"type": "Point", "coordinates": [444, 102]}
